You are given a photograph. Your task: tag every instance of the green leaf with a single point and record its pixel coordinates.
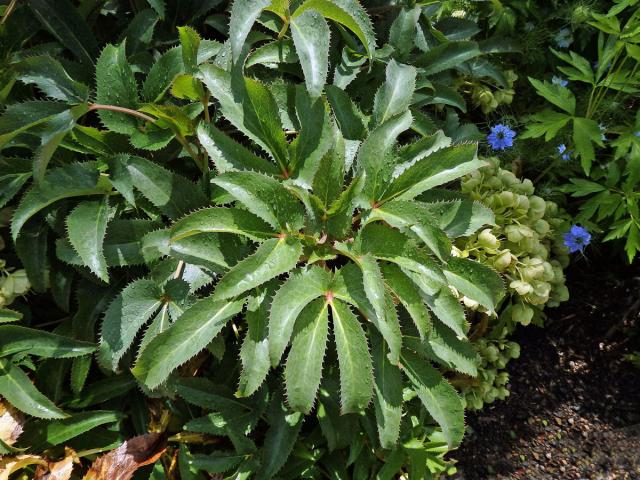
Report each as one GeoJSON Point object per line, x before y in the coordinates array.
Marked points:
{"type": "Point", "coordinates": [161, 75]}
{"type": "Point", "coordinates": [272, 258]}
{"type": "Point", "coordinates": [356, 370]}
{"type": "Point", "coordinates": [548, 123]}
{"type": "Point", "coordinates": [294, 295]}
{"type": "Point", "coordinates": [186, 87]}
{"type": "Point", "coordinates": [447, 55]}
{"type": "Point", "coordinates": [74, 180]}
{"type": "Point", "coordinates": [560, 96]}
{"type": "Point", "coordinates": [18, 339]}
{"type": "Point", "coordinates": [329, 178]}
{"type": "Point", "coordinates": [273, 53]}
{"type": "Point", "coordinates": [281, 436]}
{"type": "Point", "coordinates": [14, 173]}
{"type": "Point", "coordinates": [116, 85]}
{"type": "Point", "coordinates": [32, 247]}
{"type": "Point", "coordinates": [311, 37]}
{"type": "Point", "coordinates": [20, 392]}
{"type": "Point", "coordinates": [457, 217]}
{"type": "Point", "coordinates": [314, 139]}
{"type": "Point", "coordinates": [126, 315]}
{"type": "Point", "coordinates": [374, 156]}
{"type": "Point", "coordinates": [45, 434]}
{"type": "Point", "coordinates": [254, 352]}
{"type": "Point", "coordinates": [52, 79]}
{"type": "Point", "coordinates": [243, 15]}
{"type": "Point", "coordinates": [585, 133]}
{"type": "Point", "coordinates": [19, 117]}
{"type": "Point", "coordinates": [408, 294]}
{"type": "Point", "coordinates": [411, 216]}
{"type": "Point", "coordinates": [7, 315]}
{"type": "Point", "coordinates": [158, 6]}
{"type": "Point", "coordinates": [476, 281]}
{"type": "Point", "coordinates": [190, 42]}
{"type": "Point", "coordinates": [229, 155]}
{"type": "Point", "coordinates": [173, 194]}
{"type": "Point", "coordinates": [304, 363]}
{"type": "Point", "coordinates": [388, 394]}
{"type": "Point", "coordinates": [347, 115]}
{"type": "Point", "coordinates": [438, 396]}
{"type": "Point", "coordinates": [216, 462]}
{"type": "Point", "coordinates": [265, 197]}
{"type": "Point", "coordinates": [250, 107]}
{"type": "Point", "coordinates": [348, 13]}
{"type": "Point", "coordinates": [86, 227]}
{"type": "Point", "coordinates": [206, 394]}
{"type": "Point", "coordinates": [192, 332]}
{"type": "Point", "coordinates": [103, 390]}
{"type": "Point", "coordinates": [62, 20]}
{"type": "Point", "coordinates": [442, 166]}
{"type": "Point", "coordinates": [403, 30]}
{"type": "Point", "coordinates": [222, 220]}
{"type": "Point", "coordinates": [394, 97]}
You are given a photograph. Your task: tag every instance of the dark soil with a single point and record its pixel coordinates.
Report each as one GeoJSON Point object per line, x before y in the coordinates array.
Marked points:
{"type": "Point", "coordinates": [574, 409]}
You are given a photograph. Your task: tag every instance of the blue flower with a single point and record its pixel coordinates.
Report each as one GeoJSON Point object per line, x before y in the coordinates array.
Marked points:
{"type": "Point", "coordinates": [564, 38]}
{"type": "Point", "coordinates": [577, 238]}
{"type": "Point", "coordinates": [501, 137]}
{"type": "Point", "coordinates": [559, 81]}
{"type": "Point", "coordinates": [603, 129]}
{"type": "Point", "coordinates": [564, 154]}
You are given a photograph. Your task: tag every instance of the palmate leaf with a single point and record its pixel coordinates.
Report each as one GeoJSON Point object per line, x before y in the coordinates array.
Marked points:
{"type": "Point", "coordinates": [126, 315]}
{"type": "Point", "coordinates": [311, 37]}
{"type": "Point", "coordinates": [20, 392]}
{"type": "Point", "coordinates": [265, 197]}
{"type": "Point", "coordinates": [74, 180]}
{"type": "Point", "coordinates": [354, 359]}
{"type": "Point", "coordinates": [438, 396]}
{"type": "Point", "coordinates": [303, 370]}
{"type": "Point", "coordinates": [295, 294]}
{"type": "Point", "coordinates": [192, 332]}
{"type": "Point", "coordinates": [86, 227]}
{"type": "Point", "coordinates": [272, 258]}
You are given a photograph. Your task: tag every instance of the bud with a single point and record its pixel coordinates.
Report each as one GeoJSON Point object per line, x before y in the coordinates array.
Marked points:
{"type": "Point", "coordinates": [513, 233]}
{"type": "Point", "coordinates": [541, 227]}
{"type": "Point", "coordinates": [502, 261]}
{"type": "Point", "coordinates": [487, 239]}
{"type": "Point", "coordinates": [521, 313]}
{"type": "Point", "coordinates": [514, 350]}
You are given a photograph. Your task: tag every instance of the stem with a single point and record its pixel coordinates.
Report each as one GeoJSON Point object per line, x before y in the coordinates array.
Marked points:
{"type": "Point", "coordinates": [9, 11]}
{"type": "Point", "coordinates": [178, 273]}
{"type": "Point", "coordinates": [128, 111]}
{"type": "Point", "coordinates": [205, 104]}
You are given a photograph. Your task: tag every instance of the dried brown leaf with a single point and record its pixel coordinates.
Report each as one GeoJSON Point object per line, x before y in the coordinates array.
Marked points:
{"type": "Point", "coordinates": [11, 421]}
{"type": "Point", "coordinates": [60, 470]}
{"type": "Point", "coordinates": [9, 465]}
{"type": "Point", "coordinates": [122, 462]}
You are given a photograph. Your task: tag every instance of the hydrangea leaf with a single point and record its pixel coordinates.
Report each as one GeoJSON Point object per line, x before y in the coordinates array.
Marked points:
{"type": "Point", "coordinates": [116, 85]}
{"type": "Point", "coordinates": [126, 315]}
{"type": "Point", "coordinates": [394, 96]}
{"type": "Point", "coordinates": [442, 166]}
{"type": "Point", "coordinates": [437, 395]}
{"type": "Point", "coordinates": [294, 295]}
{"type": "Point", "coordinates": [74, 180]}
{"type": "Point", "coordinates": [18, 339]}
{"type": "Point", "coordinates": [388, 394]}
{"type": "Point", "coordinates": [476, 281]}
{"type": "Point", "coordinates": [19, 391]}
{"type": "Point", "coordinates": [303, 370]}
{"type": "Point", "coordinates": [192, 332]}
{"type": "Point", "coordinates": [265, 197]}
{"type": "Point", "coordinates": [348, 13]}
{"type": "Point", "coordinates": [272, 258]}
{"type": "Point", "coordinates": [86, 227]}
{"type": "Point", "coordinates": [311, 37]}
{"type": "Point", "coordinates": [354, 360]}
